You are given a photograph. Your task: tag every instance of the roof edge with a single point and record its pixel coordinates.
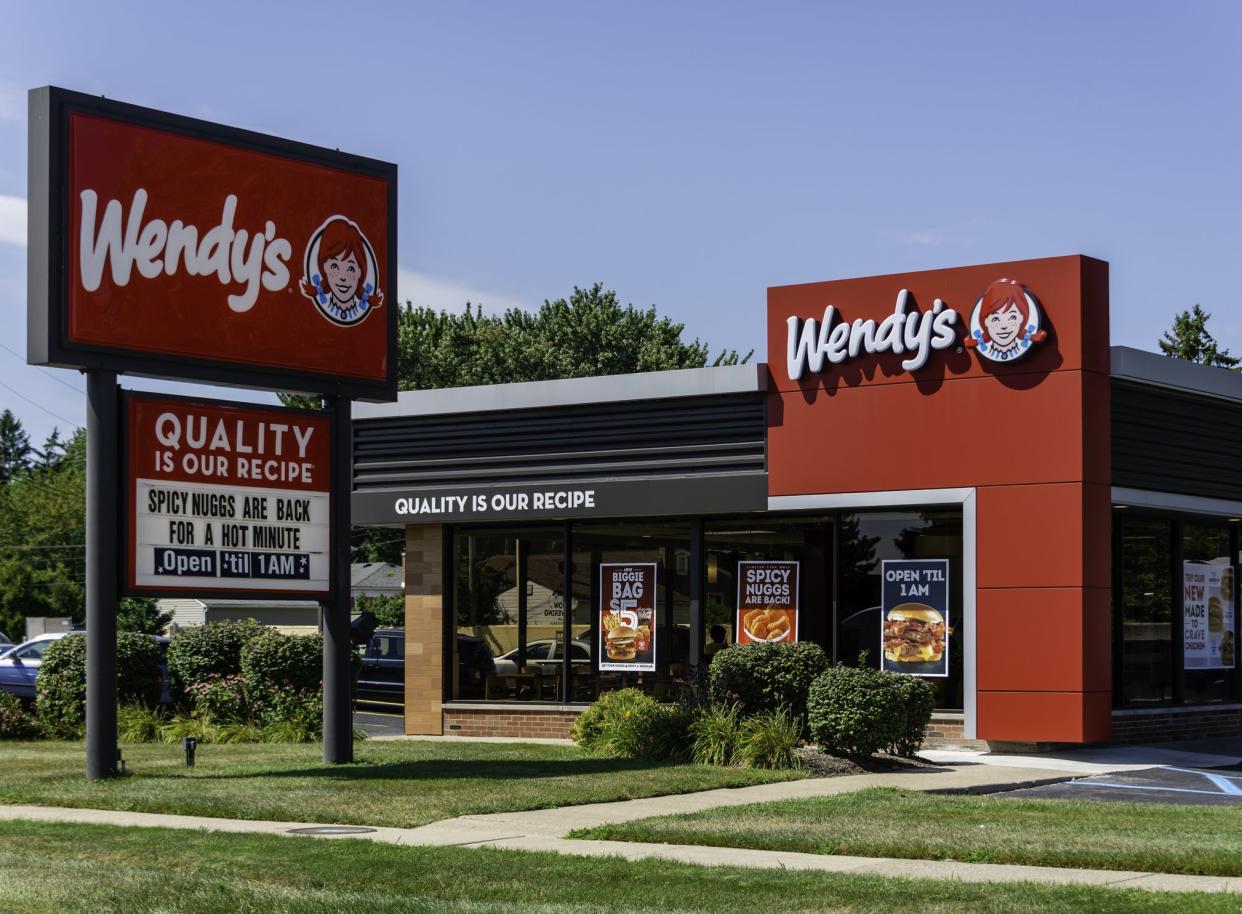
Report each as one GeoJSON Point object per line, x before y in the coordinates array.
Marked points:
{"type": "Point", "coordinates": [1143, 367]}
{"type": "Point", "coordinates": [648, 385]}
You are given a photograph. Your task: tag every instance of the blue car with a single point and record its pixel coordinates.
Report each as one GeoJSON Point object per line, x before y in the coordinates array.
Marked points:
{"type": "Point", "coordinates": [19, 666]}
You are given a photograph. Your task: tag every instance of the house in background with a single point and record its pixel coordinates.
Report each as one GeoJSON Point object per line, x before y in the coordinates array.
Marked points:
{"type": "Point", "coordinates": [376, 579]}
{"type": "Point", "coordinates": [300, 617]}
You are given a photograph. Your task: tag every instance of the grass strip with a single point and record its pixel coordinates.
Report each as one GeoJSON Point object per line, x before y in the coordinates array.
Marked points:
{"type": "Point", "coordinates": [401, 784]}
{"type": "Point", "coordinates": [883, 822]}
{"type": "Point", "coordinates": [53, 868]}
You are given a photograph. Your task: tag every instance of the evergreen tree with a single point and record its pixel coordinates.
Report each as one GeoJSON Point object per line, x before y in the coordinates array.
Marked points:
{"type": "Point", "coordinates": [15, 447]}
{"type": "Point", "coordinates": [1190, 340]}
{"type": "Point", "coordinates": [52, 452]}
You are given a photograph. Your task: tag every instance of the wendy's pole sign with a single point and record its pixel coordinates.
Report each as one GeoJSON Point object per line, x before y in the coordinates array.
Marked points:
{"type": "Point", "coordinates": [170, 247]}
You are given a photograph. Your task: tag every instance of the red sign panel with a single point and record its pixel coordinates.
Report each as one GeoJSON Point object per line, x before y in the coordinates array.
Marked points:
{"type": "Point", "coordinates": [204, 252]}
{"type": "Point", "coordinates": [226, 499]}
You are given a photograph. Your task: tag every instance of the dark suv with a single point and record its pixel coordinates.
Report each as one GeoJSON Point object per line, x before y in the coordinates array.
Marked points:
{"type": "Point", "coordinates": [382, 677]}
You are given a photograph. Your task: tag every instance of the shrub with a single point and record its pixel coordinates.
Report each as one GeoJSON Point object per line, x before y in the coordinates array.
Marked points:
{"type": "Point", "coordinates": [212, 649]}
{"type": "Point", "coordinates": [767, 677]}
{"type": "Point", "coordinates": [630, 724]}
{"type": "Point", "coordinates": [716, 731]}
{"type": "Point", "coordinates": [220, 699]}
{"type": "Point", "coordinates": [61, 683]}
{"type": "Point", "coordinates": [303, 709]}
{"type": "Point", "coordinates": [199, 728]}
{"type": "Point", "coordinates": [140, 724]}
{"type": "Point", "coordinates": [918, 700]}
{"type": "Point", "coordinates": [768, 740]}
{"type": "Point", "coordinates": [275, 664]}
{"type": "Point", "coordinates": [861, 711]}
{"type": "Point", "coordinates": [15, 722]}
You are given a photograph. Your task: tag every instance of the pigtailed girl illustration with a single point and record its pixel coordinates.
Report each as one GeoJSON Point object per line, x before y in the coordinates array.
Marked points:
{"type": "Point", "coordinates": [340, 274]}
{"type": "Point", "coordinates": [1005, 322]}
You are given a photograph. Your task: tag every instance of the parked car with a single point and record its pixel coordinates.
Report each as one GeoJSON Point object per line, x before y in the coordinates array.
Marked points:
{"type": "Point", "coordinates": [382, 676]}
{"type": "Point", "coordinates": [545, 655]}
{"type": "Point", "coordinates": [5, 643]}
{"type": "Point", "coordinates": [20, 665]}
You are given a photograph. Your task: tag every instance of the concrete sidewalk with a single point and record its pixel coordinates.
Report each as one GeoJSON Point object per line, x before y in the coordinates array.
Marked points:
{"type": "Point", "coordinates": [544, 830]}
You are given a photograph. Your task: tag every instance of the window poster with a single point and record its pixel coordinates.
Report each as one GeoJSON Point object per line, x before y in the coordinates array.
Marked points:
{"type": "Point", "coordinates": [1208, 628]}
{"type": "Point", "coordinates": [627, 617]}
{"type": "Point", "coordinates": [914, 617]}
{"type": "Point", "coordinates": [767, 602]}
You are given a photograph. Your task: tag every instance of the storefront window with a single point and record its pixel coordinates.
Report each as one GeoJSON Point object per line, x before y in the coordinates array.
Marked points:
{"type": "Point", "coordinates": [805, 540]}
{"type": "Point", "coordinates": [1208, 657]}
{"type": "Point", "coordinates": [509, 608]}
{"type": "Point", "coordinates": [1146, 675]}
{"type": "Point", "coordinates": [667, 545]}
{"type": "Point", "coordinates": [865, 541]}
{"type": "Point", "coordinates": [510, 640]}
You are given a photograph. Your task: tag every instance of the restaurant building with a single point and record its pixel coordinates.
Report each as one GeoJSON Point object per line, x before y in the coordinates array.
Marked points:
{"type": "Point", "coordinates": [1077, 503]}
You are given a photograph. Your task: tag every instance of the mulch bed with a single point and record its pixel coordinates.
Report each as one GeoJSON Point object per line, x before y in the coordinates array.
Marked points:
{"type": "Point", "coordinates": [822, 764]}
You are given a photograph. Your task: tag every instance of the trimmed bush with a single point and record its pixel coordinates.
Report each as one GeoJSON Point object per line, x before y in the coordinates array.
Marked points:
{"type": "Point", "coordinates": [61, 683]}
{"type": "Point", "coordinates": [918, 700]}
{"type": "Point", "coordinates": [768, 740]}
{"type": "Point", "coordinates": [273, 662]}
{"type": "Point", "coordinates": [861, 711]}
{"type": "Point", "coordinates": [213, 649]}
{"type": "Point", "coordinates": [716, 732]}
{"type": "Point", "coordinates": [220, 699]}
{"type": "Point", "coordinates": [15, 722]}
{"type": "Point", "coordinates": [766, 677]}
{"type": "Point", "coordinates": [630, 724]}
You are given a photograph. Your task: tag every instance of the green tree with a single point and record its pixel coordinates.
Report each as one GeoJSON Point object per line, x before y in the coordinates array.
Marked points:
{"type": "Point", "coordinates": [1190, 341]}
{"type": "Point", "coordinates": [15, 449]}
{"type": "Point", "coordinates": [590, 333]}
{"type": "Point", "coordinates": [141, 615]}
{"type": "Point", "coordinates": [42, 537]}
{"type": "Point", "coordinates": [388, 609]}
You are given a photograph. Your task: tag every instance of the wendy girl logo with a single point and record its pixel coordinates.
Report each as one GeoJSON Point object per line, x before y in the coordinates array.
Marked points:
{"type": "Point", "coordinates": [1005, 322]}
{"type": "Point", "coordinates": [339, 273]}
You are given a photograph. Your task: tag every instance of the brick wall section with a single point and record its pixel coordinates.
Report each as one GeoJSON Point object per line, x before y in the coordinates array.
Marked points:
{"type": "Point", "coordinates": [424, 629]}
{"type": "Point", "coordinates": [515, 723]}
{"type": "Point", "coordinates": [1161, 727]}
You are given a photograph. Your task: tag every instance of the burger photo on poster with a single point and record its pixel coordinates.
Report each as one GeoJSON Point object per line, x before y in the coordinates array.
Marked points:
{"type": "Point", "coordinates": [619, 643]}
{"type": "Point", "coordinates": [914, 633]}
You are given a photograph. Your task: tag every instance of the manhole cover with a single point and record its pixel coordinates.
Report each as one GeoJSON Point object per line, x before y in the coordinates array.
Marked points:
{"type": "Point", "coordinates": [331, 830]}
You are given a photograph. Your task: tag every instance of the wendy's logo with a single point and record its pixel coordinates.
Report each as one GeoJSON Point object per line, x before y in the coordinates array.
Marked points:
{"type": "Point", "coordinates": [339, 273]}
{"type": "Point", "coordinates": [1005, 322]}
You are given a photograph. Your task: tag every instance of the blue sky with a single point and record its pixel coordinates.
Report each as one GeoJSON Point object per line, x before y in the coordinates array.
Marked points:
{"type": "Point", "coordinates": [689, 155]}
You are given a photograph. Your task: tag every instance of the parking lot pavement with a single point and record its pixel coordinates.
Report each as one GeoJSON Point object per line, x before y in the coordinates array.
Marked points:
{"type": "Point", "coordinates": [1160, 784]}
{"type": "Point", "coordinates": [379, 723]}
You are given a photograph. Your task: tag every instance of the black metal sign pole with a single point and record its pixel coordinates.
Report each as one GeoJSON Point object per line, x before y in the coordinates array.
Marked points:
{"type": "Point", "coordinates": [338, 726]}
{"type": "Point", "coordinates": [102, 435]}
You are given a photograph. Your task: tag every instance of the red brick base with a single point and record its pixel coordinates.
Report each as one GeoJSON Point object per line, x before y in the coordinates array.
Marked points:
{"type": "Point", "coordinates": [518, 722]}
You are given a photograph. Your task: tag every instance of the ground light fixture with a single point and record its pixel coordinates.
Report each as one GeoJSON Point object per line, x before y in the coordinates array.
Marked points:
{"type": "Point", "coordinates": [190, 745]}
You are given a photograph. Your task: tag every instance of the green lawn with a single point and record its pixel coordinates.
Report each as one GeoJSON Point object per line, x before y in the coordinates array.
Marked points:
{"type": "Point", "coordinates": [57, 868]}
{"type": "Point", "coordinates": [391, 783]}
{"type": "Point", "coordinates": [992, 829]}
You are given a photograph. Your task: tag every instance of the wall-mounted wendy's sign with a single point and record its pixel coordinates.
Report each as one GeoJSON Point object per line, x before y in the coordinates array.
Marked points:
{"type": "Point", "coordinates": [171, 247]}
{"type": "Point", "coordinates": [227, 499]}
{"type": "Point", "coordinates": [1002, 327]}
